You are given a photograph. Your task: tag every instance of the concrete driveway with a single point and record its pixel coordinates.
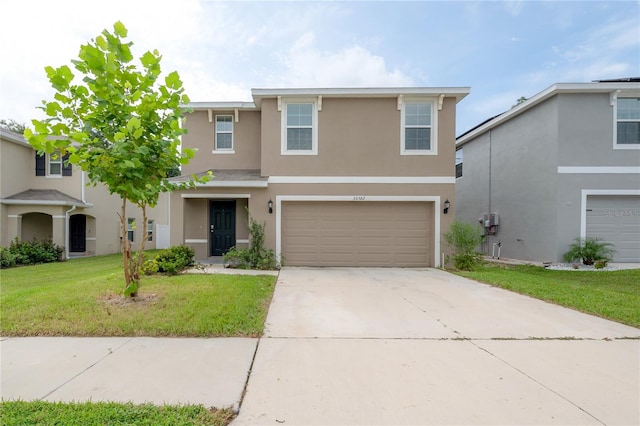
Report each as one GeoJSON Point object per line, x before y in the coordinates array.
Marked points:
{"type": "Point", "coordinates": [421, 346]}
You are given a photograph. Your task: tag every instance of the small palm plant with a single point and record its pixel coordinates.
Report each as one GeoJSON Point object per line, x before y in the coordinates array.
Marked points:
{"type": "Point", "coordinates": [589, 250]}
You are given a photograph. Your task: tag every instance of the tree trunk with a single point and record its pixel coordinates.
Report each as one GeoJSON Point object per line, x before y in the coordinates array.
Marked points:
{"type": "Point", "coordinates": [130, 276]}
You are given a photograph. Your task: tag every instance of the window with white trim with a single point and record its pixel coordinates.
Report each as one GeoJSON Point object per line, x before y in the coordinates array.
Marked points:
{"type": "Point", "coordinates": [55, 164]}
{"type": "Point", "coordinates": [628, 122]}
{"type": "Point", "coordinates": [131, 226]}
{"type": "Point", "coordinates": [418, 128]}
{"type": "Point", "coordinates": [299, 128]}
{"type": "Point", "coordinates": [149, 230]}
{"type": "Point", "coordinates": [224, 133]}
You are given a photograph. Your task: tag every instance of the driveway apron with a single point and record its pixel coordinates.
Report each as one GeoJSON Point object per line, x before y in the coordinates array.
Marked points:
{"type": "Point", "coordinates": [422, 346]}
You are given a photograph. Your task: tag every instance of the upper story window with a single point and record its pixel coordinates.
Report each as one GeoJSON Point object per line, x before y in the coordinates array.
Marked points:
{"type": "Point", "coordinates": [299, 128]}
{"type": "Point", "coordinates": [459, 159]}
{"type": "Point", "coordinates": [55, 164]}
{"type": "Point", "coordinates": [52, 165]}
{"type": "Point", "coordinates": [418, 126]}
{"type": "Point", "coordinates": [627, 123]}
{"type": "Point", "coordinates": [224, 133]}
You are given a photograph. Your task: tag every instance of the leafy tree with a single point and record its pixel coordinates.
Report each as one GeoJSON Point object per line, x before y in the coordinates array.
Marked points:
{"type": "Point", "coordinates": [121, 125]}
{"type": "Point", "coordinates": [12, 125]}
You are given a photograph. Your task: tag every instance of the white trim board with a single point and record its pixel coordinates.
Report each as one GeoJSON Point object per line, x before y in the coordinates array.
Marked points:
{"type": "Point", "coordinates": [583, 203]}
{"type": "Point", "coordinates": [363, 179]}
{"type": "Point", "coordinates": [216, 195]}
{"type": "Point", "coordinates": [599, 170]}
{"type": "Point", "coordinates": [196, 241]}
{"type": "Point", "coordinates": [359, 199]}
{"type": "Point", "coordinates": [233, 184]}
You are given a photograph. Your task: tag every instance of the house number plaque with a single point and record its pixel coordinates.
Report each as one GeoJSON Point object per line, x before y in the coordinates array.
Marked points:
{"type": "Point", "coordinates": [359, 198]}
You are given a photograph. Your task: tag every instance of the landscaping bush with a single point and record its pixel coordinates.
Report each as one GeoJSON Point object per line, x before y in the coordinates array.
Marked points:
{"type": "Point", "coordinates": [589, 251]}
{"type": "Point", "coordinates": [256, 256]}
{"type": "Point", "coordinates": [464, 239]}
{"type": "Point", "coordinates": [7, 258]}
{"type": "Point", "coordinates": [170, 261]}
{"type": "Point", "coordinates": [30, 253]}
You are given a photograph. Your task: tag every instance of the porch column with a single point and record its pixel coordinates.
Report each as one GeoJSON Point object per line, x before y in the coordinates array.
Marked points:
{"type": "Point", "coordinates": [58, 230]}
{"type": "Point", "coordinates": [14, 227]}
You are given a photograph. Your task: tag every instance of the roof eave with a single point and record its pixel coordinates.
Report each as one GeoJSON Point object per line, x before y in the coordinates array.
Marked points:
{"type": "Point", "coordinates": [540, 97]}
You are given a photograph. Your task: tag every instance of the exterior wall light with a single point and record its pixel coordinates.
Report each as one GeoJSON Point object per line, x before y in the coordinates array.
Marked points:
{"type": "Point", "coordinates": [447, 204]}
{"type": "Point", "coordinates": [270, 204]}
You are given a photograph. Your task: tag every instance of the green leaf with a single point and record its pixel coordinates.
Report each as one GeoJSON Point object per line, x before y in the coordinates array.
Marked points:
{"type": "Point", "coordinates": [133, 123]}
{"type": "Point", "coordinates": [173, 81]}
{"type": "Point", "coordinates": [120, 29]}
{"type": "Point", "coordinates": [102, 43]}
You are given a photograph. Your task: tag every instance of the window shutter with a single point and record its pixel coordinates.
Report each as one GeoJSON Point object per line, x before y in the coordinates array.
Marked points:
{"type": "Point", "coordinates": [66, 166]}
{"type": "Point", "coordinates": [40, 165]}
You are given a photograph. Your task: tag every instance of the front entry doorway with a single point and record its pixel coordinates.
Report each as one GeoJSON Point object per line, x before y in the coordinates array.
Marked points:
{"type": "Point", "coordinates": [78, 233]}
{"type": "Point", "coordinates": [222, 227]}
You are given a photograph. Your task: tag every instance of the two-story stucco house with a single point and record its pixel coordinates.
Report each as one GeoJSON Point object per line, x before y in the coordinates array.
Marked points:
{"type": "Point", "coordinates": [44, 198]}
{"type": "Point", "coordinates": [563, 164]}
{"type": "Point", "coordinates": [339, 177]}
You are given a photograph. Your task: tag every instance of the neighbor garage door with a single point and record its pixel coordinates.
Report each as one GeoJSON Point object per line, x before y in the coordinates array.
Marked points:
{"type": "Point", "coordinates": [616, 219]}
{"type": "Point", "coordinates": [356, 233]}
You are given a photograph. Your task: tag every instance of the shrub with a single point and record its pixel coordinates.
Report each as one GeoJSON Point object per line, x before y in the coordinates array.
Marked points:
{"type": "Point", "coordinates": [256, 256]}
{"type": "Point", "coordinates": [464, 240]}
{"type": "Point", "coordinates": [32, 252]}
{"type": "Point", "coordinates": [7, 258]}
{"type": "Point", "coordinates": [170, 261]}
{"type": "Point", "coordinates": [589, 251]}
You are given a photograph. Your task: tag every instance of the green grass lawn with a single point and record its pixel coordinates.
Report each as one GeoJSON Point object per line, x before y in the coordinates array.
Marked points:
{"type": "Point", "coordinates": [613, 295]}
{"type": "Point", "coordinates": [82, 297]}
{"type": "Point", "coordinates": [14, 413]}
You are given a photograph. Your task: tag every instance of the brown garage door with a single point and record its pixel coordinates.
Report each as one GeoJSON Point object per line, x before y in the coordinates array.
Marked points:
{"type": "Point", "coordinates": [356, 233]}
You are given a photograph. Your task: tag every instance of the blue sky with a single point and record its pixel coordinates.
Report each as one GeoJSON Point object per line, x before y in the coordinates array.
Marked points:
{"type": "Point", "coordinates": [501, 50]}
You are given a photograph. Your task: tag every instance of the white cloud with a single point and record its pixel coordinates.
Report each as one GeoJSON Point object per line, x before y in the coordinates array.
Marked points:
{"type": "Point", "coordinates": [353, 66]}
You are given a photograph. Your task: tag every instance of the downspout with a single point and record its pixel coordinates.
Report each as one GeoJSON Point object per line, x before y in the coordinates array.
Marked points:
{"type": "Point", "coordinates": [66, 232]}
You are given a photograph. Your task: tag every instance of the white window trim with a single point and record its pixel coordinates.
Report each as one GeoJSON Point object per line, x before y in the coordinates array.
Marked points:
{"type": "Point", "coordinates": [314, 126]}
{"type": "Point", "coordinates": [614, 102]}
{"type": "Point", "coordinates": [56, 161]}
{"type": "Point", "coordinates": [434, 125]}
{"type": "Point", "coordinates": [150, 232]}
{"type": "Point", "coordinates": [217, 150]}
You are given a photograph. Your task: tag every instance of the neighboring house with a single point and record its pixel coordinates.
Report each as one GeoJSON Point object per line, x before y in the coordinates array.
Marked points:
{"type": "Point", "coordinates": [564, 164]}
{"type": "Point", "coordinates": [339, 177]}
{"type": "Point", "coordinates": [45, 198]}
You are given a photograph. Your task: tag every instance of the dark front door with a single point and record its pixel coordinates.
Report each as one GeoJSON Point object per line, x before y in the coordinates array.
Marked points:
{"type": "Point", "coordinates": [222, 226]}
{"type": "Point", "coordinates": [78, 233]}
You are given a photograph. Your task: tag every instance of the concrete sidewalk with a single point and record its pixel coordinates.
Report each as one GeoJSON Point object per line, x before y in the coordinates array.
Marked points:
{"type": "Point", "coordinates": [212, 372]}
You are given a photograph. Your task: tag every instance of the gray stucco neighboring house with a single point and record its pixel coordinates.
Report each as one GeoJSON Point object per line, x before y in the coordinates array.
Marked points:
{"type": "Point", "coordinates": [561, 165]}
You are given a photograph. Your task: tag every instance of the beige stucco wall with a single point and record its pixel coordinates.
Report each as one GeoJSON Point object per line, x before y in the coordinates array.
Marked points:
{"type": "Point", "coordinates": [201, 135]}
{"type": "Point", "coordinates": [17, 174]}
{"type": "Point", "coordinates": [358, 137]}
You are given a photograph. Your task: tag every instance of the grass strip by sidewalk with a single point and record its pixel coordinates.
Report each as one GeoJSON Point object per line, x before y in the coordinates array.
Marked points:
{"type": "Point", "coordinates": [14, 413]}
{"type": "Point", "coordinates": [81, 297]}
{"type": "Point", "coordinates": [614, 295]}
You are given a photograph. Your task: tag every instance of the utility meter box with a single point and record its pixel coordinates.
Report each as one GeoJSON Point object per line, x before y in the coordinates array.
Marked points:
{"type": "Point", "coordinates": [491, 222]}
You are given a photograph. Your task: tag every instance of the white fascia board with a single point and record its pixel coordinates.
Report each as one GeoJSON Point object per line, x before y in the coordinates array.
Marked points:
{"type": "Point", "coordinates": [546, 94]}
{"type": "Point", "coordinates": [366, 92]}
{"type": "Point", "coordinates": [234, 184]}
{"type": "Point", "coordinates": [198, 106]}
{"type": "Point", "coordinates": [44, 203]}
{"type": "Point", "coordinates": [363, 179]}
{"type": "Point", "coordinates": [14, 137]}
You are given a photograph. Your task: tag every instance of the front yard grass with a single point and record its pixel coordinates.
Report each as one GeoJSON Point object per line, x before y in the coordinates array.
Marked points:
{"type": "Point", "coordinates": [82, 297]}
{"type": "Point", "coordinates": [14, 413]}
{"type": "Point", "coordinates": [614, 295]}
